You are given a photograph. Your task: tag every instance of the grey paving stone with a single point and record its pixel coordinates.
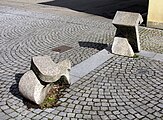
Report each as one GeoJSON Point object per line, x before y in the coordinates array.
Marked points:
{"type": "Point", "coordinates": [160, 106]}
{"type": "Point", "coordinates": [85, 112]}
{"type": "Point", "coordinates": [60, 108]}
{"type": "Point", "coordinates": [37, 111]}
{"type": "Point", "coordinates": [62, 114]}
{"type": "Point", "coordinates": [139, 116]}
{"type": "Point", "coordinates": [130, 117]}
{"type": "Point", "coordinates": [30, 115]}
{"type": "Point", "coordinates": [112, 117]}
{"type": "Point", "coordinates": [74, 119]}
{"type": "Point", "coordinates": [13, 114]}
{"type": "Point", "coordinates": [132, 111]}
{"type": "Point", "coordinates": [50, 116]}
{"type": "Point", "coordinates": [143, 113]}
{"type": "Point", "coordinates": [8, 111]}
{"type": "Point", "coordinates": [145, 118]}
{"type": "Point", "coordinates": [71, 105]}
{"type": "Point", "coordinates": [79, 115]}
{"type": "Point", "coordinates": [37, 117]}
{"type": "Point", "coordinates": [57, 118]}
{"type": "Point", "coordinates": [44, 118]}
{"type": "Point", "coordinates": [71, 115]}
{"type": "Point", "coordinates": [69, 110]}
{"type": "Point", "coordinates": [19, 117]}
{"type": "Point", "coordinates": [87, 117]}
{"type": "Point", "coordinates": [43, 114]}
{"type": "Point", "coordinates": [49, 110]}
{"type": "Point", "coordinates": [4, 107]}
{"type": "Point", "coordinates": [28, 118]}
{"type": "Point", "coordinates": [116, 112]}
{"type": "Point", "coordinates": [158, 57]}
{"type": "Point", "coordinates": [157, 114]}
{"type": "Point", "coordinates": [65, 118]}
{"type": "Point", "coordinates": [79, 107]}
{"type": "Point", "coordinates": [87, 107]}
{"type": "Point", "coordinates": [150, 116]}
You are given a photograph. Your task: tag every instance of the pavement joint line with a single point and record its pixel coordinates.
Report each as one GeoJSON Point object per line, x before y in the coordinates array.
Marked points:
{"type": "Point", "coordinates": [85, 67]}
{"type": "Point", "coordinates": [151, 55]}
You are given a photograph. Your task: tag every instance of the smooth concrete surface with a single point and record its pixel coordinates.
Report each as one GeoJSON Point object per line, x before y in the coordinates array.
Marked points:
{"type": "Point", "coordinates": [151, 55]}
{"type": "Point", "coordinates": [147, 54]}
{"type": "Point", "coordinates": [158, 57]}
{"type": "Point", "coordinates": [85, 67]}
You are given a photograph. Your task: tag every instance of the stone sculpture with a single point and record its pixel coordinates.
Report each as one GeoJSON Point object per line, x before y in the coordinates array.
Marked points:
{"type": "Point", "coordinates": [127, 27]}
{"type": "Point", "coordinates": [36, 83]}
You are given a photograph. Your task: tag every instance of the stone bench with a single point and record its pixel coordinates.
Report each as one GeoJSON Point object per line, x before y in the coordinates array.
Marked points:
{"type": "Point", "coordinates": [36, 83]}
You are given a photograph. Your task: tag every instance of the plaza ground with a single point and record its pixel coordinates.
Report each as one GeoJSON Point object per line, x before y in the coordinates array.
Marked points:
{"type": "Point", "coordinates": [120, 88]}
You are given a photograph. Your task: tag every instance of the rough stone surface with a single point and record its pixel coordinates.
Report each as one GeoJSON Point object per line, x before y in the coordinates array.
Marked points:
{"type": "Point", "coordinates": [31, 88]}
{"type": "Point", "coordinates": [127, 25]}
{"type": "Point", "coordinates": [127, 19]}
{"type": "Point", "coordinates": [31, 84]}
{"type": "Point", "coordinates": [47, 70]}
{"type": "Point", "coordinates": [122, 47]}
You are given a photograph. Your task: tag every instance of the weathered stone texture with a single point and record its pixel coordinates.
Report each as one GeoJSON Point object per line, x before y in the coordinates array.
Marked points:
{"type": "Point", "coordinates": [47, 70]}
{"type": "Point", "coordinates": [31, 88]}
{"type": "Point", "coordinates": [122, 47]}
{"type": "Point", "coordinates": [127, 25]}
{"type": "Point", "coordinates": [35, 84]}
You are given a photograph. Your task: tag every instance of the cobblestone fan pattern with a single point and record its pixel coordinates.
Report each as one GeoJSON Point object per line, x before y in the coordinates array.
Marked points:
{"type": "Point", "coordinates": [120, 88]}
{"type": "Point", "coordinates": [151, 39]}
{"type": "Point", "coordinates": [23, 35]}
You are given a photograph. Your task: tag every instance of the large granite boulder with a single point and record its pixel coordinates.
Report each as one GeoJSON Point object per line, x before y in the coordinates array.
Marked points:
{"type": "Point", "coordinates": [48, 71]}
{"type": "Point", "coordinates": [122, 47]}
{"type": "Point", "coordinates": [127, 25]}
{"type": "Point", "coordinates": [31, 88]}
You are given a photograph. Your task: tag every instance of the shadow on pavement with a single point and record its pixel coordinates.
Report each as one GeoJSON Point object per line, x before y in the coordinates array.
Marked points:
{"type": "Point", "coordinates": [14, 87]}
{"type": "Point", "coordinates": [105, 8]}
{"type": "Point", "coordinates": [98, 46]}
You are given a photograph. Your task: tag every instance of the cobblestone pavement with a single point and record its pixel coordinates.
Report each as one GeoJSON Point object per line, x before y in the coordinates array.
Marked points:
{"type": "Point", "coordinates": [121, 88]}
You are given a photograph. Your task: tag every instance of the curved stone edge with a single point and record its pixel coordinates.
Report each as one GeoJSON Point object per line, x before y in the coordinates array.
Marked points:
{"type": "Point", "coordinates": [31, 85]}
{"type": "Point", "coordinates": [62, 69]}
{"type": "Point", "coordinates": [31, 88]}
{"type": "Point", "coordinates": [40, 66]}
{"type": "Point", "coordinates": [65, 67]}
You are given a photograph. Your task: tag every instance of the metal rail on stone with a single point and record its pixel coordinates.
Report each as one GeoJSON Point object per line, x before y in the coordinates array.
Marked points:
{"type": "Point", "coordinates": [126, 40]}
{"type": "Point", "coordinates": [36, 83]}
